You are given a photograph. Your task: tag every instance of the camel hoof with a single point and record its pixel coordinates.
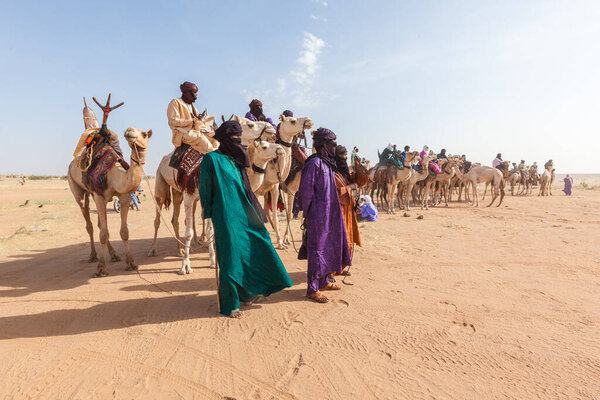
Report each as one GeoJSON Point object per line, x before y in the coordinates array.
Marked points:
{"type": "Point", "coordinates": [153, 253]}
{"type": "Point", "coordinates": [115, 258]}
{"type": "Point", "coordinates": [189, 271]}
{"type": "Point", "coordinates": [92, 259]}
{"type": "Point", "coordinates": [181, 272]}
{"type": "Point", "coordinates": [100, 274]}
{"type": "Point", "coordinates": [131, 267]}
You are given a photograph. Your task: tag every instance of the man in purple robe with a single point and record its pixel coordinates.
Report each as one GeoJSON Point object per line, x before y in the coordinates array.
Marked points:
{"type": "Point", "coordinates": [256, 112]}
{"type": "Point", "coordinates": [568, 185]}
{"type": "Point", "coordinates": [326, 243]}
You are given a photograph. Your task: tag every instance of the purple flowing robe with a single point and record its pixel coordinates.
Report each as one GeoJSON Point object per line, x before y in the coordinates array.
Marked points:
{"type": "Point", "coordinates": [326, 240]}
{"type": "Point", "coordinates": [568, 186]}
{"type": "Point", "coordinates": [251, 117]}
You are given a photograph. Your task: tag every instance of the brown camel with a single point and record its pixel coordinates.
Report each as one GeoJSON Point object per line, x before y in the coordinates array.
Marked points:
{"type": "Point", "coordinates": [393, 176]}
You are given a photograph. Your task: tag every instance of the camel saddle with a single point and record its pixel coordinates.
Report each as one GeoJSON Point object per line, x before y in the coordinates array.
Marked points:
{"type": "Point", "coordinates": [103, 158]}
{"type": "Point", "coordinates": [382, 173]}
{"type": "Point", "coordinates": [188, 169]}
{"type": "Point", "coordinates": [178, 155]}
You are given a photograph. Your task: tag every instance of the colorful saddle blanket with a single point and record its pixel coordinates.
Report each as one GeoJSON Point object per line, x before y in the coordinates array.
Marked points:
{"type": "Point", "coordinates": [188, 172]}
{"type": "Point", "coordinates": [102, 161]}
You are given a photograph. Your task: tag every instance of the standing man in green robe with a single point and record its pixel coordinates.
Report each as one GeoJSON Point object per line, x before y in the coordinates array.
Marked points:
{"type": "Point", "coordinates": [249, 265]}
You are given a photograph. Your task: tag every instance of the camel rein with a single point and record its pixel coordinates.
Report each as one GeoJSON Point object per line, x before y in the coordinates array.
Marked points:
{"type": "Point", "coordinates": [282, 185]}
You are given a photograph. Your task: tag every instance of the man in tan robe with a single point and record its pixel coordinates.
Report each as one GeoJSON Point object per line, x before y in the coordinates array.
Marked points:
{"type": "Point", "coordinates": [185, 123]}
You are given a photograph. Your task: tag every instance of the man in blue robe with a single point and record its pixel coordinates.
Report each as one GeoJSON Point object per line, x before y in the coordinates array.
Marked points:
{"type": "Point", "coordinates": [326, 243]}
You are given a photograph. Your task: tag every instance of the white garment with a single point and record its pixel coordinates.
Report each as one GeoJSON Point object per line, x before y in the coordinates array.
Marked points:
{"type": "Point", "coordinates": [181, 117]}
{"type": "Point", "coordinates": [496, 162]}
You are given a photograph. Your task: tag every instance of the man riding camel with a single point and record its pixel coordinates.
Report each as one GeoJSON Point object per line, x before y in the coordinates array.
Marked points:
{"type": "Point", "coordinates": [256, 112]}
{"type": "Point", "coordinates": [185, 123]}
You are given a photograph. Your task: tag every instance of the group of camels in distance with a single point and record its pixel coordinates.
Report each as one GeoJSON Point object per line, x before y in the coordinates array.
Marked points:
{"type": "Point", "coordinates": [272, 158]}
{"type": "Point", "coordinates": [419, 182]}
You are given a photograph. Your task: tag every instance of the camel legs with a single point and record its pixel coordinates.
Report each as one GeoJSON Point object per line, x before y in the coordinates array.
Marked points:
{"type": "Point", "coordinates": [390, 197]}
{"type": "Point", "coordinates": [273, 217]}
{"type": "Point", "coordinates": [195, 238]}
{"type": "Point", "coordinates": [408, 194]}
{"type": "Point", "coordinates": [211, 241]}
{"type": "Point", "coordinates": [288, 209]}
{"type": "Point", "coordinates": [83, 201]}
{"type": "Point", "coordinates": [125, 200]}
{"type": "Point", "coordinates": [177, 200]}
{"type": "Point", "coordinates": [485, 191]}
{"type": "Point", "coordinates": [475, 194]}
{"type": "Point", "coordinates": [188, 204]}
{"type": "Point", "coordinates": [425, 197]}
{"type": "Point", "coordinates": [154, 250]}
{"type": "Point", "coordinates": [101, 208]}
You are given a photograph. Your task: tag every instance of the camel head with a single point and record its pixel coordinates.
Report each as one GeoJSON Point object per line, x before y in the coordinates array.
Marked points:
{"type": "Point", "coordinates": [252, 130]}
{"type": "Point", "coordinates": [266, 151]}
{"type": "Point", "coordinates": [412, 158]}
{"type": "Point", "coordinates": [290, 127]}
{"type": "Point", "coordinates": [137, 138]}
{"type": "Point", "coordinates": [428, 159]}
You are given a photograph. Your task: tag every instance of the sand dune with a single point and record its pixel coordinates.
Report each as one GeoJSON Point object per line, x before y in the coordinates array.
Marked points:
{"type": "Point", "coordinates": [464, 304]}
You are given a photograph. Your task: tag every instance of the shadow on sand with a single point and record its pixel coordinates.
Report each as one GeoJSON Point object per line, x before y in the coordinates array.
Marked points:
{"type": "Point", "coordinates": [67, 268]}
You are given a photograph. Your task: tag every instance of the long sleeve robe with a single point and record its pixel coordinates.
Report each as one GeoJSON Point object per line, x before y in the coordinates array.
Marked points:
{"type": "Point", "coordinates": [347, 203]}
{"type": "Point", "coordinates": [181, 122]}
{"type": "Point", "coordinates": [251, 117]}
{"type": "Point", "coordinates": [326, 240]}
{"type": "Point", "coordinates": [248, 262]}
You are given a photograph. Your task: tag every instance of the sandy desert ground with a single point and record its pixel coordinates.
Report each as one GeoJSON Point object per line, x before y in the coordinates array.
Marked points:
{"type": "Point", "coordinates": [467, 303]}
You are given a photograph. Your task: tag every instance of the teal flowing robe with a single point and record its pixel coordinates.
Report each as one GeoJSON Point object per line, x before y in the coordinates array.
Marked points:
{"type": "Point", "coordinates": [248, 262]}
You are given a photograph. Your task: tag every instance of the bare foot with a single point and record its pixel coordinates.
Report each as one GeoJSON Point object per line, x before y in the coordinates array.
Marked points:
{"type": "Point", "coordinates": [235, 314]}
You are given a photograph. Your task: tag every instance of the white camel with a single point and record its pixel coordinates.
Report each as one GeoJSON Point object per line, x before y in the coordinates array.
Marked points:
{"type": "Point", "coordinates": [486, 175]}
{"type": "Point", "coordinates": [166, 184]}
{"type": "Point", "coordinates": [278, 171]}
{"type": "Point", "coordinates": [545, 183]}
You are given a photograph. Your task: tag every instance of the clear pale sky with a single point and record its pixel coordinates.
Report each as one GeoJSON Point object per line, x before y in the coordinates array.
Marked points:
{"type": "Point", "coordinates": [475, 77]}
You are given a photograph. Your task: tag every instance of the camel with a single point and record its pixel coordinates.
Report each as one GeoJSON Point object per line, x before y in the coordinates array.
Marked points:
{"type": "Point", "coordinates": [545, 183]}
{"type": "Point", "coordinates": [505, 174]}
{"type": "Point", "coordinates": [415, 177]}
{"type": "Point", "coordinates": [263, 153]}
{"type": "Point", "coordinates": [485, 174]}
{"type": "Point", "coordinates": [443, 179]}
{"type": "Point", "coordinates": [166, 185]}
{"type": "Point", "coordinates": [120, 182]}
{"type": "Point", "coordinates": [457, 180]}
{"type": "Point", "coordinates": [277, 172]}
{"type": "Point", "coordinates": [514, 180]}
{"type": "Point", "coordinates": [394, 176]}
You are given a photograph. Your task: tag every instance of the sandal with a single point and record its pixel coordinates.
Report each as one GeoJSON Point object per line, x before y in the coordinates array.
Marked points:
{"type": "Point", "coordinates": [318, 297]}
{"type": "Point", "coordinates": [331, 286]}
